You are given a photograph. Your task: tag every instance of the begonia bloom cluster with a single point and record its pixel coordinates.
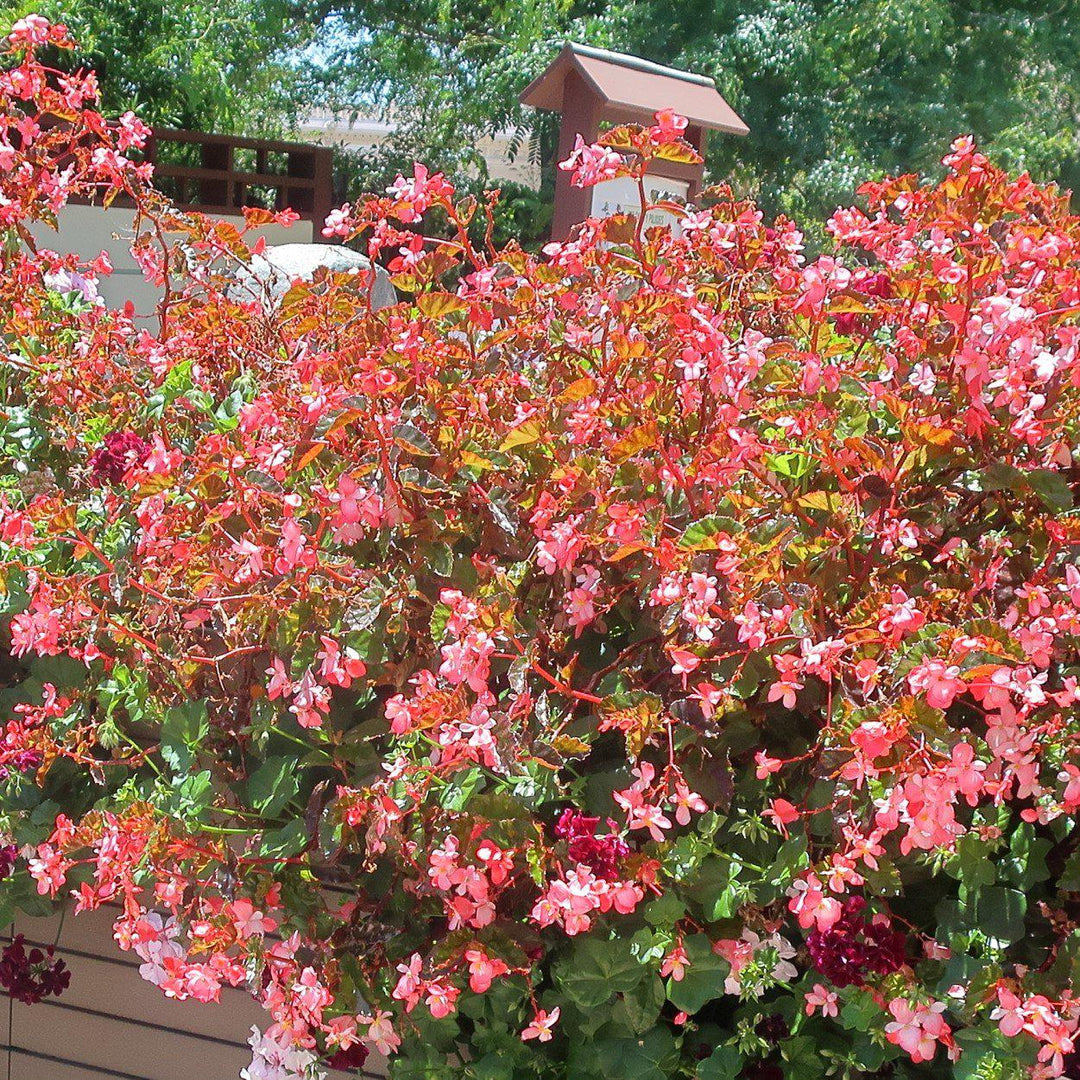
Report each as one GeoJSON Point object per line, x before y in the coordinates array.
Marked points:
{"type": "Point", "coordinates": [656, 657]}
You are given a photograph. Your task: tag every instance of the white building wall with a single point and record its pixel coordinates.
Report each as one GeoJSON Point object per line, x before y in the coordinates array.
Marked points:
{"type": "Point", "coordinates": [365, 132]}
{"type": "Point", "coordinates": [89, 230]}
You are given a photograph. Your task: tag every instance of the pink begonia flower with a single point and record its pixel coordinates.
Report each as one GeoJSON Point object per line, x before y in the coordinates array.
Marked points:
{"type": "Point", "coordinates": [580, 609]}
{"type": "Point", "coordinates": [1009, 1013]}
{"type": "Point", "coordinates": [418, 192]}
{"type": "Point", "coordinates": [294, 548]}
{"type": "Point", "coordinates": [591, 163]}
{"type": "Point", "coordinates": [338, 222]}
{"type": "Point", "coordinates": [560, 546]}
{"type": "Point", "coordinates": [675, 964]}
{"type": "Point", "coordinates": [311, 701]}
{"type": "Point", "coordinates": [809, 904]}
{"type": "Point", "coordinates": [939, 683]}
{"type": "Point", "coordinates": [311, 995]}
{"type": "Point", "coordinates": [357, 508]}
{"type": "Point", "coordinates": [651, 818]}
{"type": "Point", "coordinates": [873, 738]}
{"type": "Point", "coordinates": [30, 30]}
{"type": "Point", "coordinates": [381, 1034]}
{"type": "Point", "coordinates": [483, 970]}
{"type": "Point", "coordinates": [821, 998]}
{"type": "Point", "coordinates": [708, 697]}
{"type": "Point", "coordinates": [819, 279]}
{"type": "Point", "coordinates": [339, 666]}
{"type": "Point", "coordinates": [900, 617]}
{"type": "Point", "coordinates": [917, 1030]}
{"type": "Point", "coordinates": [788, 685]}
{"type": "Point", "coordinates": [49, 869]}
{"type": "Point", "coordinates": [686, 800]}
{"type": "Point", "coordinates": [966, 772]}
{"type": "Point", "coordinates": [342, 1032]}
{"type": "Point", "coordinates": [441, 999]}
{"type": "Point", "coordinates": [409, 985]}
{"type": "Point", "coordinates": [668, 125]}
{"type": "Point", "coordinates": [279, 685]}
{"type": "Point", "coordinates": [867, 672]}
{"type": "Point", "coordinates": [274, 1056]}
{"type": "Point", "coordinates": [248, 921]}
{"type": "Point", "coordinates": [766, 765]}
{"type": "Point", "coordinates": [743, 950]}
{"type": "Point", "coordinates": [782, 813]}
{"type": "Point", "coordinates": [541, 1025]}
{"type": "Point", "coordinates": [683, 662]}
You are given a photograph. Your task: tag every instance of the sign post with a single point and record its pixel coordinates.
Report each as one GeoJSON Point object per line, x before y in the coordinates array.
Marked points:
{"type": "Point", "coordinates": [590, 87]}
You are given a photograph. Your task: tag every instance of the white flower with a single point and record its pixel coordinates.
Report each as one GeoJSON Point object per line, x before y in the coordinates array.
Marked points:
{"type": "Point", "coordinates": [277, 1059]}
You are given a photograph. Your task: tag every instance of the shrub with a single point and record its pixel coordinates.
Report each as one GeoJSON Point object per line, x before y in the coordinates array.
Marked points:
{"type": "Point", "coordinates": [658, 658]}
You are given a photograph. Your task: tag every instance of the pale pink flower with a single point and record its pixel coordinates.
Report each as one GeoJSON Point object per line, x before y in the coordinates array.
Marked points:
{"type": "Point", "coordinates": [542, 1023]}
{"type": "Point", "coordinates": [821, 998]}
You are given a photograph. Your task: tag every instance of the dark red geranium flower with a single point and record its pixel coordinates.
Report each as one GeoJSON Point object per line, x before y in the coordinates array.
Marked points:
{"type": "Point", "coordinates": [847, 322]}
{"type": "Point", "coordinates": [22, 761]}
{"type": "Point", "coordinates": [8, 854]}
{"type": "Point", "coordinates": [120, 451]}
{"type": "Point", "coordinates": [878, 284]}
{"type": "Point", "coordinates": [347, 1060]}
{"type": "Point", "coordinates": [30, 976]}
{"type": "Point", "coordinates": [762, 1070]}
{"type": "Point", "coordinates": [602, 854]}
{"type": "Point", "coordinates": [773, 1029]}
{"type": "Point", "coordinates": [856, 947]}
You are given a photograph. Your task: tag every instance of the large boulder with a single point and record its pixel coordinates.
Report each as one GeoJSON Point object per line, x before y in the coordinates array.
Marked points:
{"type": "Point", "coordinates": [269, 276]}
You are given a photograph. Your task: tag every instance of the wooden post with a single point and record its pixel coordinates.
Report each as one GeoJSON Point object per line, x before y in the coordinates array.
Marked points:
{"type": "Point", "coordinates": [582, 111]}
{"type": "Point", "coordinates": [323, 194]}
{"type": "Point", "coordinates": [217, 192]}
{"type": "Point", "coordinates": [695, 136]}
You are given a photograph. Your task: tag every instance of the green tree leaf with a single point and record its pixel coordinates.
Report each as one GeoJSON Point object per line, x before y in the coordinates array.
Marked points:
{"type": "Point", "coordinates": [183, 729]}
{"type": "Point", "coordinates": [703, 980]}
{"type": "Point", "coordinates": [272, 785]}
{"type": "Point", "coordinates": [595, 969]}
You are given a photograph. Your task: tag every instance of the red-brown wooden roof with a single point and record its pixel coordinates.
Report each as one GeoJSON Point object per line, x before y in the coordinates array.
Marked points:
{"type": "Point", "coordinates": [633, 89]}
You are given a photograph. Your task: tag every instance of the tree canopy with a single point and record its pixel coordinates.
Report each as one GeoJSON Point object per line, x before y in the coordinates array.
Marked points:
{"type": "Point", "coordinates": [837, 89]}
{"type": "Point", "coordinates": [211, 65]}
{"type": "Point", "coordinates": [832, 89]}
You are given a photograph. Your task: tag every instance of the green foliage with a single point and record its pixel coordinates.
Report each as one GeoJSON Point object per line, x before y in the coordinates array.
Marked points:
{"type": "Point", "coordinates": [833, 90]}
{"type": "Point", "coordinates": [200, 64]}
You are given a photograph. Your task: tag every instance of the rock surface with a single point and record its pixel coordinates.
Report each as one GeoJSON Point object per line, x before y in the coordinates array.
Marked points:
{"type": "Point", "coordinates": [269, 276]}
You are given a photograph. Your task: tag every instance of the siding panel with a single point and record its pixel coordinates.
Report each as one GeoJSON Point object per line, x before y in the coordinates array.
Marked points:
{"type": "Point", "coordinates": [112, 1025]}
